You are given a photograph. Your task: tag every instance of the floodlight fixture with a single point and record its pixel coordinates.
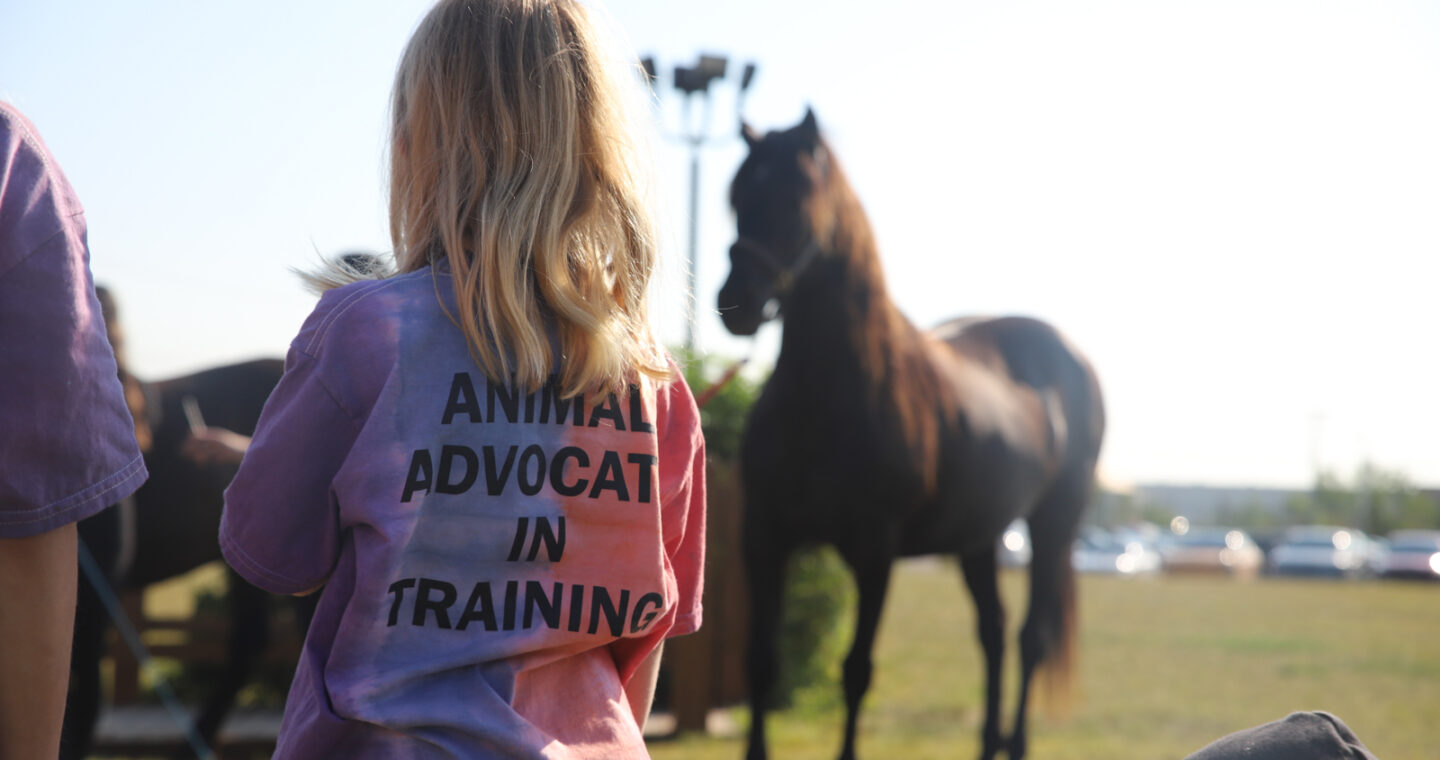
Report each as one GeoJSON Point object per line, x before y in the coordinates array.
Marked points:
{"type": "Point", "coordinates": [712, 66]}
{"type": "Point", "coordinates": [690, 80]}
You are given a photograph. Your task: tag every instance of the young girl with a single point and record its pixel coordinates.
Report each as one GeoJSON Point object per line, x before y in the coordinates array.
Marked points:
{"type": "Point", "coordinates": [486, 459]}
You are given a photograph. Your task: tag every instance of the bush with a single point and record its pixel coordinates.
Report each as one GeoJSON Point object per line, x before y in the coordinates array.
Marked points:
{"type": "Point", "coordinates": [819, 600]}
{"type": "Point", "coordinates": [723, 416]}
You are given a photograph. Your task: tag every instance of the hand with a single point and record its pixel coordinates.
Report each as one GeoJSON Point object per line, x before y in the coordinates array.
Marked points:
{"type": "Point", "coordinates": [215, 446]}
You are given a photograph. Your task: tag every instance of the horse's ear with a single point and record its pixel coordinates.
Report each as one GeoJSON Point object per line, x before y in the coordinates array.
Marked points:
{"type": "Point", "coordinates": [752, 138]}
{"type": "Point", "coordinates": [810, 127]}
{"type": "Point", "coordinates": [819, 156]}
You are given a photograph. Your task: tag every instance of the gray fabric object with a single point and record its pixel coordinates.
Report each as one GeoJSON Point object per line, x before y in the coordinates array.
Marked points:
{"type": "Point", "coordinates": [1299, 736]}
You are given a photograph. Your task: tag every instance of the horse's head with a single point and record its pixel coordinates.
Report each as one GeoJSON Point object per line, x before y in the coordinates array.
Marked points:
{"type": "Point", "coordinates": [779, 221]}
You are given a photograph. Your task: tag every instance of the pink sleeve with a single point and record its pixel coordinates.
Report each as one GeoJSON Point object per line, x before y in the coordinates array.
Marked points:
{"type": "Point", "coordinates": [682, 518]}
{"type": "Point", "coordinates": [682, 493]}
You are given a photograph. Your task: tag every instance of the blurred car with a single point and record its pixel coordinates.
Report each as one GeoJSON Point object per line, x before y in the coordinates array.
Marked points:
{"type": "Point", "coordinates": [1321, 550]}
{"type": "Point", "coordinates": [1014, 545]}
{"type": "Point", "coordinates": [1099, 551]}
{"type": "Point", "coordinates": [1377, 554]}
{"type": "Point", "coordinates": [1413, 554]}
{"type": "Point", "coordinates": [1213, 550]}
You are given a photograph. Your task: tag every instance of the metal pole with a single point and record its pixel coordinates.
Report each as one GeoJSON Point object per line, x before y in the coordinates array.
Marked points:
{"type": "Point", "coordinates": [690, 306]}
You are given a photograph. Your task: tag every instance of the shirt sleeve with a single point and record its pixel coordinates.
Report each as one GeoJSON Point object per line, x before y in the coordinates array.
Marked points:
{"type": "Point", "coordinates": [281, 526]}
{"type": "Point", "coordinates": [682, 518]}
{"type": "Point", "coordinates": [682, 493]}
{"type": "Point", "coordinates": [67, 441]}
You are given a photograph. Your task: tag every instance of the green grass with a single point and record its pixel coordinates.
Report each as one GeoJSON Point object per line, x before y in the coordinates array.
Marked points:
{"type": "Point", "coordinates": [1165, 665]}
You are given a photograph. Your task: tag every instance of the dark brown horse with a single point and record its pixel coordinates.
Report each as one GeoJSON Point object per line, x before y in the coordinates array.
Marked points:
{"type": "Point", "coordinates": [887, 441]}
{"type": "Point", "coordinates": [170, 527]}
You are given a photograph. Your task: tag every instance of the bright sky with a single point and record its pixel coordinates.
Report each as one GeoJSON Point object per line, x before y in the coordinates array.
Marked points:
{"type": "Point", "coordinates": [1233, 207]}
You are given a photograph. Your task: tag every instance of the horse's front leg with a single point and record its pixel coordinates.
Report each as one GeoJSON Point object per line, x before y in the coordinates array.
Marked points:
{"type": "Point", "coordinates": [871, 566]}
{"type": "Point", "coordinates": [765, 560]}
{"type": "Point", "coordinates": [981, 573]}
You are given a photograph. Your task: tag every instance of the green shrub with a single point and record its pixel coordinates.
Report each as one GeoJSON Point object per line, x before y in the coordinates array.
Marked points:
{"type": "Point", "coordinates": [814, 631]}
{"type": "Point", "coordinates": [723, 416]}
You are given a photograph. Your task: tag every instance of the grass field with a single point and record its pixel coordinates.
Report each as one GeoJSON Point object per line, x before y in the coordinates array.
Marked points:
{"type": "Point", "coordinates": [1166, 665]}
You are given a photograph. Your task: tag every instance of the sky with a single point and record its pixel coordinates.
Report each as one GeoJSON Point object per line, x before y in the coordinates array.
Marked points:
{"type": "Point", "coordinates": [1232, 207]}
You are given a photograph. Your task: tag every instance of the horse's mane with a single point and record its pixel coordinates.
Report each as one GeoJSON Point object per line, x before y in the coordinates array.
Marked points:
{"type": "Point", "coordinates": [899, 368]}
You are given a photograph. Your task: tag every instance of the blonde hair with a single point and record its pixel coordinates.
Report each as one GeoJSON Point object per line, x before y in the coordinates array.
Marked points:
{"type": "Point", "coordinates": [512, 159]}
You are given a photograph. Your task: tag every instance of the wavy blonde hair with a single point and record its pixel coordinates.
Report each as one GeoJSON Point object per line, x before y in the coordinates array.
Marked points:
{"type": "Point", "coordinates": [513, 159]}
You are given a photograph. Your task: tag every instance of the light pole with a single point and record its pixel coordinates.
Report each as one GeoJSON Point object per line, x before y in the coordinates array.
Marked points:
{"type": "Point", "coordinates": [695, 81]}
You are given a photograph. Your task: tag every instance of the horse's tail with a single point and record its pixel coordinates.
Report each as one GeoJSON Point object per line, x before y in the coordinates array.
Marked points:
{"type": "Point", "coordinates": [1064, 506]}
{"type": "Point", "coordinates": [1057, 669]}
{"type": "Point", "coordinates": [1052, 608]}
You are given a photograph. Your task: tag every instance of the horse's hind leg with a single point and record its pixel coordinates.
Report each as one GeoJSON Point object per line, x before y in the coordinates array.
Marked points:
{"type": "Point", "coordinates": [249, 638]}
{"type": "Point", "coordinates": [1047, 637]}
{"type": "Point", "coordinates": [981, 576]}
{"type": "Point", "coordinates": [765, 562]}
{"type": "Point", "coordinates": [871, 566]}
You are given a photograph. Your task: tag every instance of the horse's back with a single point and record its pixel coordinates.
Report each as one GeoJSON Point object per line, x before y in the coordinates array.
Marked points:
{"type": "Point", "coordinates": [177, 518]}
{"type": "Point", "coordinates": [230, 396]}
{"type": "Point", "coordinates": [1032, 353]}
{"type": "Point", "coordinates": [1028, 416]}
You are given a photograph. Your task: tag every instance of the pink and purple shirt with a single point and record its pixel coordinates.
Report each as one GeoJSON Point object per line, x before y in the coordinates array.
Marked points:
{"type": "Point", "coordinates": [67, 441]}
{"type": "Point", "coordinates": [497, 563]}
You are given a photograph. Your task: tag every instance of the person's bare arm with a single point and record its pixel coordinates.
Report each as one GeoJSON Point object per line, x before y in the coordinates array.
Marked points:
{"type": "Point", "coordinates": [640, 691]}
{"type": "Point", "coordinates": [215, 446]}
{"type": "Point", "coordinates": [37, 622]}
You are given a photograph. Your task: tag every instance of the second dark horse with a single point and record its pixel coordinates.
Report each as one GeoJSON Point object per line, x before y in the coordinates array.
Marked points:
{"type": "Point", "coordinates": [887, 441]}
{"type": "Point", "coordinates": [170, 527]}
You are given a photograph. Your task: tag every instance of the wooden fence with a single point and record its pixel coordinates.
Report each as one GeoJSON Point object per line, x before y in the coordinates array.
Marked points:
{"type": "Point", "coordinates": [705, 670]}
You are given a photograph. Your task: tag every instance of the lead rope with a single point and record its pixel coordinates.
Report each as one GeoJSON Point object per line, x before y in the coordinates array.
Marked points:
{"type": "Point", "coordinates": [137, 648]}
{"type": "Point", "coordinates": [719, 385]}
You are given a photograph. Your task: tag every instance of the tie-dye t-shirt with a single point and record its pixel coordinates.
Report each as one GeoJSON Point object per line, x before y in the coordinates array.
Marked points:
{"type": "Point", "coordinates": [496, 563]}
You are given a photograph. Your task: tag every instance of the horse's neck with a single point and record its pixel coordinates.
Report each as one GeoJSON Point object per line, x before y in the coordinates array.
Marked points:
{"type": "Point", "coordinates": [839, 316]}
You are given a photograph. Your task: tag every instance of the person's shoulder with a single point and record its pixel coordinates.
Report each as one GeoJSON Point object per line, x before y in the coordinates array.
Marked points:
{"type": "Point", "coordinates": [36, 201]}
{"type": "Point", "coordinates": [361, 307]}
{"type": "Point", "coordinates": [22, 149]}
{"type": "Point", "coordinates": [676, 407]}
{"type": "Point", "coordinates": [16, 131]}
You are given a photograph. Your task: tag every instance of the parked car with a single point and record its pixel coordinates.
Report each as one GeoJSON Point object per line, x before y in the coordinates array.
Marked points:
{"type": "Point", "coordinates": [1323, 550]}
{"type": "Point", "coordinates": [1413, 554]}
{"type": "Point", "coordinates": [1377, 554]}
{"type": "Point", "coordinates": [1100, 551]}
{"type": "Point", "coordinates": [1014, 545]}
{"type": "Point", "coordinates": [1214, 550]}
